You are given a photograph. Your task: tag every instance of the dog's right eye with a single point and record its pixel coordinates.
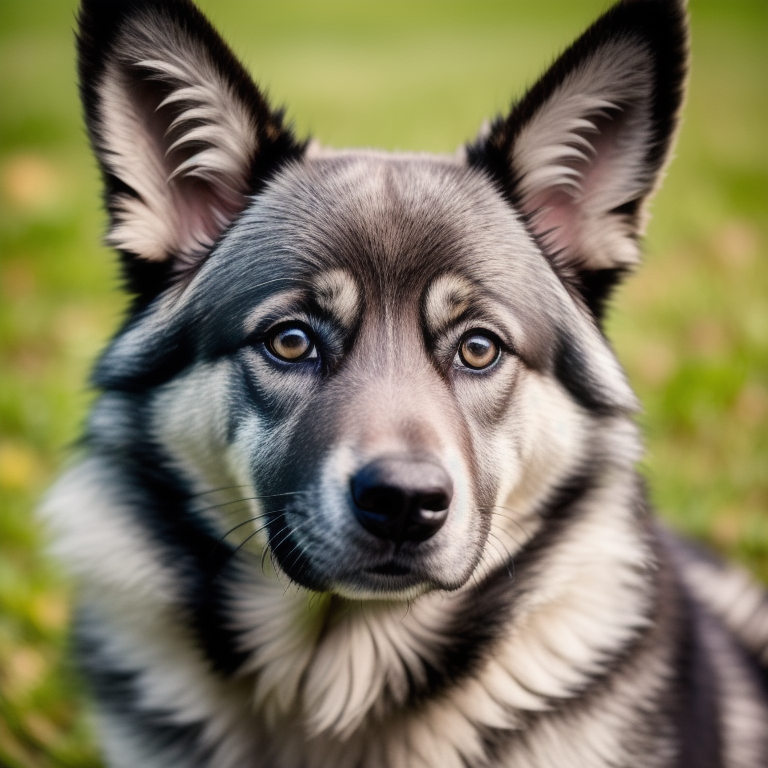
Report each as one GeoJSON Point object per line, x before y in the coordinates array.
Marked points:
{"type": "Point", "coordinates": [292, 344]}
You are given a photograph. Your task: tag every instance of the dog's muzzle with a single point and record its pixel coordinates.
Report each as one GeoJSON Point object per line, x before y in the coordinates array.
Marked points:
{"type": "Point", "coordinates": [402, 498]}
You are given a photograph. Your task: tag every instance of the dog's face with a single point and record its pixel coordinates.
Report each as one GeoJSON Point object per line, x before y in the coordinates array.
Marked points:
{"type": "Point", "coordinates": [372, 328]}
{"type": "Point", "coordinates": [393, 358]}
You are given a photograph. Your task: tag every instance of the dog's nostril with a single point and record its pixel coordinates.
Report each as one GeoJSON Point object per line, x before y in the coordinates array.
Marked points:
{"type": "Point", "coordinates": [401, 498]}
{"type": "Point", "coordinates": [436, 502]}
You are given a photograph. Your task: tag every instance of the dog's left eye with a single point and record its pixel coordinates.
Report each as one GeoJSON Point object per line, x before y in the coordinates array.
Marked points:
{"type": "Point", "coordinates": [292, 344]}
{"type": "Point", "coordinates": [478, 351]}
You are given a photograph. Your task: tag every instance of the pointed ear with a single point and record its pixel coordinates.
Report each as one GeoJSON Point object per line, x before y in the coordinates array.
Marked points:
{"type": "Point", "coordinates": [181, 133]}
{"type": "Point", "coordinates": [580, 154]}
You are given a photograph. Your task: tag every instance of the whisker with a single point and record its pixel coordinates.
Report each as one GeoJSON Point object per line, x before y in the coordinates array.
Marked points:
{"type": "Point", "coordinates": [242, 485]}
{"type": "Point", "coordinates": [269, 548]}
{"type": "Point", "coordinates": [276, 567]}
{"type": "Point", "coordinates": [298, 544]}
{"type": "Point", "coordinates": [251, 535]}
{"type": "Point", "coordinates": [498, 530]}
{"type": "Point", "coordinates": [252, 519]}
{"type": "Point", "coordinates": [303, 552]}
{"type": "Point", "coordinates": [248, 498]}
{"type": "Point", "coordinates": [501, 506]}
{"type": "Point", "coordinates": [264, 552]}
{"type": "Point", "coordinates": [240, 525]}
{"type": "Point", "coordinates": [493, 508]}
{"type": "Point", "coordinates": [509, 559]}
{"type": "Point", "coordinates": [484, 570]}
{"type": "Point", "coordinates": [214, 490]}
{"type": "Point", "coordinates": [288, 531]}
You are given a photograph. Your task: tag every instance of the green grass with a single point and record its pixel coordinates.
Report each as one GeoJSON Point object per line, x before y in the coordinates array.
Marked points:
{"type": "Point", "coordinates": [691, 327]}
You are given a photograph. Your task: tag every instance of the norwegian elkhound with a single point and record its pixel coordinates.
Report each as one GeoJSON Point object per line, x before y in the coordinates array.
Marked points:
{"type": "Point", "coordinates": [359, 490]}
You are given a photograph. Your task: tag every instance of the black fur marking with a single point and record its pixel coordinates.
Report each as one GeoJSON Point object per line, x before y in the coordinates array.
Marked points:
{"type": "Point", "coordinates": [271, 403]}
{"type": "Point", "coordinates": [698, 713]}
{"type": "Point", "coordinates": [559, 512]}
{"type": "Point", "coordinates": [163, 357]}
{"type": "Point", "coordinates": [163, 506]}
{"type": "Point", "coordinates": [596, 287]}
{"type": "Point", "coordinates": [117, 690]}
{"type": "Point", "coordinates": [572, 370]}
{"type": "Point", "coordinates": [686, 550]}
{"type": "Point", "coordinates": [473, 630]}
{"type": "Point", "coordinates": [143, 280]}
{"type": "Point", "coordinates": [630, 209]}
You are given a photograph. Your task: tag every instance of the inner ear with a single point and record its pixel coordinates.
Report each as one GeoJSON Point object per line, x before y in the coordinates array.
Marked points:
{"type": "Point", "coordinates": [584, 207]}
{"type": "Point", "coordinates": [592, 179]}
{"type": "Point", "coordinates": [179, 190]}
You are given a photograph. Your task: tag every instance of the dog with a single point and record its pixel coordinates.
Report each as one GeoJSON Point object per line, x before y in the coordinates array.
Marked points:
{"type": "Point", "coordinates": [360, 489]}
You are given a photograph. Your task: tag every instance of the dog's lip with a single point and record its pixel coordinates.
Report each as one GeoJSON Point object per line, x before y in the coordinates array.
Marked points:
{"type": "Point", "coordinates": [391, 568]}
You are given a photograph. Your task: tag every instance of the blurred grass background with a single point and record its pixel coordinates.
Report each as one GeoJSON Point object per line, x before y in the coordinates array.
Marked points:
{"type": "Point", "coordinates": [691, 327]}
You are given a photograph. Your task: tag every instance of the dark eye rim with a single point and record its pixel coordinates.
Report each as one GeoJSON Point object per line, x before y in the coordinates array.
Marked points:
{"type": "Point", "coordinates": [272, 332]}
{"type": "Point", "coordinates": [491, 336]}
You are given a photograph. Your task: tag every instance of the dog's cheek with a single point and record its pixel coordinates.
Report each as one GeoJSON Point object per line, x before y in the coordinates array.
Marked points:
{"type": "Point", "coordinates": [550, 430]}
{"type": "Point", "coordinates": [191, 418]}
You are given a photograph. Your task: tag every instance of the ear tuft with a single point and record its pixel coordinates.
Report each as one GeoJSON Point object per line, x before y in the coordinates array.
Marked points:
{"type": "Point", "coordinates": [182, 134]}
{"type": "Point", "coordinates": [583, 150]}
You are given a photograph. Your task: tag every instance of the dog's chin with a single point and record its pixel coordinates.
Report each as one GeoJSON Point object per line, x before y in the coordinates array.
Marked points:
{"type": "Point", "coordinates": [393, 578]}
{"type": "Point", "coordinates": [365, 589]}
{"type": "Point", "coordinates": [383, 583]}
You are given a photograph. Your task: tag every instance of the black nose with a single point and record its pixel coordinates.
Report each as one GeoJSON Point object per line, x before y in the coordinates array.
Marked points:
{"type": "Point", "coordinates": [401, 498]}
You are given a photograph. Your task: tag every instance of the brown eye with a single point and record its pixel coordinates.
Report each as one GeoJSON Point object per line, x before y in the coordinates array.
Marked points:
{"type": "Point", "coordinates": [478, 351]}
{"type": "Point", "coordinates": [292, 344]}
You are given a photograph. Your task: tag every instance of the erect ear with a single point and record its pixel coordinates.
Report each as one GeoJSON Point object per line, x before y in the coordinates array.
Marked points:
{"type": "Point", "coordinates": [180, 131]}
{"type": "Point", "coordinates": [581, 152]}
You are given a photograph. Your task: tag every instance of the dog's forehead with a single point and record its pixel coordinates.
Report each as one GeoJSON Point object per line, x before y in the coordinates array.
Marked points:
{"type": "Point", "coordinates": [402, 219]}
{"type": "Point", "coordinates": [391, 225]}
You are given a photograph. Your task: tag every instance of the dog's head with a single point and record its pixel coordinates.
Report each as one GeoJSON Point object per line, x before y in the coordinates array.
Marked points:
{"type": "Point", "coordinates": [397, 359]}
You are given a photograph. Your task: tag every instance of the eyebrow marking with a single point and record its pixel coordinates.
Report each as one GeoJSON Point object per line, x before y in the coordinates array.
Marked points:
{"type": "Point", "coordinates": [273, 304]}
{"type": "Point", "coordinates": [447, 299]}
{"type": "Point", "coordinates": [337, 293]}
